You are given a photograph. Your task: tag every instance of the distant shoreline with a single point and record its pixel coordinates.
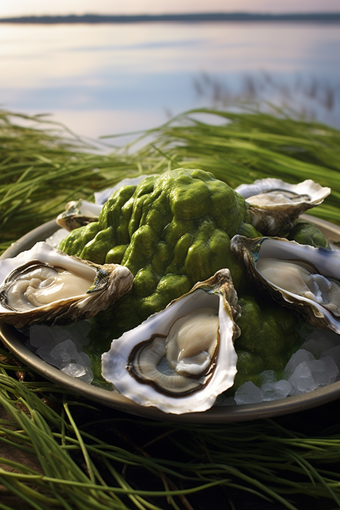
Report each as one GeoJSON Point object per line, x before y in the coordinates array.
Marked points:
{"type": "Point", "coordinates": [327, 17]}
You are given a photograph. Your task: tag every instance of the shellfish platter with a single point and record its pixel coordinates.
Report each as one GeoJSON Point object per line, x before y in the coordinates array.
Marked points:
{"type": "Point", "coordinates": [151, 302]}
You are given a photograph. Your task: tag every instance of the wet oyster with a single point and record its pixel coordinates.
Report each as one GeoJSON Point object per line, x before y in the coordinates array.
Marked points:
{"type": "Point", "coordinates": [46, 285]}
{"type": "Point", "coordinates": [78, 213]}
{"type": "Point", "coordinates": [181, 358]}
{"type": "Point", "coordinates": [303, 277]}
{"type": "Point", "coordinates": [275, 204]}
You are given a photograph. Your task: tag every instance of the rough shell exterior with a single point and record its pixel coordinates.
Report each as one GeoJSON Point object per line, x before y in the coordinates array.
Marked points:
{"type": "Point", "coordinates": [78, 213]}
{"type": "Point", "coordinates": [110, 282]}
{"type": "Point", "coordinates": [286, 202]}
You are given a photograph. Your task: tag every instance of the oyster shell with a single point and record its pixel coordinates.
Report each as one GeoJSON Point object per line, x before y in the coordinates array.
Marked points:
{"type": "Point", "coordinates": [302, 277]}
{"type": "Point", "coordinates": [275, 204]}
{"type": "Point", "coordinates": [78, 213]}
{"type": "Point", "coordinates": [46, 285]}
{"type": "Point", "coordinates": [183, 357]}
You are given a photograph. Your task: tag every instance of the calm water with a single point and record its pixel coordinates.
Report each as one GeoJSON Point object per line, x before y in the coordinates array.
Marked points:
{"type": "Point", "coordinates": [101, 79]}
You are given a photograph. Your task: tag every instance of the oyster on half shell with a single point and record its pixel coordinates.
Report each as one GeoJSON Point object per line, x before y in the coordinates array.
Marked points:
{"type": "Point", "coordinates": [275, 204]}
{"type": "Point", "coordinates": [182, 358]}
{"type": "Point", "coordinates": [46, 285]}
{"type": "Point", "coordinates": [302, 277]}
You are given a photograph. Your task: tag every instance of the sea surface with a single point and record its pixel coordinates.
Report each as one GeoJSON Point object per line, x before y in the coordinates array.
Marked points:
{"type": "Point", "coordinates": [118, 78]}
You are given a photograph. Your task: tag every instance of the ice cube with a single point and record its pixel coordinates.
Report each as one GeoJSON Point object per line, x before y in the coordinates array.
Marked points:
{"type": "Point", "coordinates": [45, 353]}
{"type": "Point", "coordinates": [324, 371]}
{"type": "Point", "coordinates": [334, 353]}
{"type": "Point", "coordinates": [41, 335]}
{"type": "Point", "coordinates": [74, 370]}
{"type": "Point", "coordinates": [61, 346]}
{"type": "Point", "coordinates": [268, 376]}
{"type": "Point", "coordinates": [325, 336]}
{"type": "Point", "coordinates": [78, 371]}
{"type": "Point", "coordinates": [85, 359]}
{"type": "Point", "coordinates": [59, 334]}
{"type": "Point", "coordinates": [88, 377]}
{"type": "Point", "coordinates": [42, 342]}
{"type": "Point", "coordinates": [65, 352]}
{"type": "Point", "coordinates": [248, 393]}
{"type": "Point", "coordinates": [317, 345]}
{"type": "Point", "coordinates": [302, 379]}
{"type": "Point", "coordinates": [276, 390]}
{"type": "Point", "coordinates": [78, 332]}
{"type": "Point", "coordinates": [297, 358]}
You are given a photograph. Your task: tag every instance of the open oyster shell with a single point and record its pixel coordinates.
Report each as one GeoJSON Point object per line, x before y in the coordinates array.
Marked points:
{"type": "Point", "coordinates": [302, 277]}
{"type": "Point", "coordinates": [78, 213]}
{"type": "Point", "coordinates": [152, 364]}
{"type": "Point", "coordinates": [46, 285]}
{"type": "Point", "coordinates": [275, 204]}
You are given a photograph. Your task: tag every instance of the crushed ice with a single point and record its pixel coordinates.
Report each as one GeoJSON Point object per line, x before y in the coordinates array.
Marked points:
{"type": "Point", "coordinates": [315, 365]}
{"type": "Point", "coordinates": [62, 347]}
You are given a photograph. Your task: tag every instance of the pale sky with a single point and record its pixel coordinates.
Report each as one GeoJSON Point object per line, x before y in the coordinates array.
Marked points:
{"type": "Point", "coordinates": [39, 7]}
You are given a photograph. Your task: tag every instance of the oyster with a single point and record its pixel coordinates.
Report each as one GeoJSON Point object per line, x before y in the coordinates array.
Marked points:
{"type": "Point", "coordinates": [182, 358]}
{"type": "Point", "coordinates": [46, 285]}
{"type": "Point", "coordinates": [303, 277]}
{"type": "Point", "coordinates": [78, 213]}
{"type": "Point", "coordinates": [275, 204]}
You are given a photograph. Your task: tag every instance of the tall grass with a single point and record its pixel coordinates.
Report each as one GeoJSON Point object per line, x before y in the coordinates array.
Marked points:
{"type": "Point", "coordinates": [40, 171]}
{"type": "Point", "coordinates": [241, 147]}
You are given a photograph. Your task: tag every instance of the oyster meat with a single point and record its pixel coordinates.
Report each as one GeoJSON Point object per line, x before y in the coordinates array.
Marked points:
{"type": "Point", "coordinates": [182, 358]}
{"type": "Point", "coordinates": [275, 204]}
{"type": "Point", "coordinates": [303, 277]}
{"type": "Point", "coordinates": [46, 285]}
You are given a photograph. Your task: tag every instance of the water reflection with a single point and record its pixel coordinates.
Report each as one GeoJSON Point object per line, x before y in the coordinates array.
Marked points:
{"type": "Point", "coordinates": [113, 78]}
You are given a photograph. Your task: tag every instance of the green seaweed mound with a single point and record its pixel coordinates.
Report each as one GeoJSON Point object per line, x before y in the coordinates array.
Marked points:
{"type": "Point", "coordinates": [171, 231]}
{"type": "Point", "coordinates": [304, 232]}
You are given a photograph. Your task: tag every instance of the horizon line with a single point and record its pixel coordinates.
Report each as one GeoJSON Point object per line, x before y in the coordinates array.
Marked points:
{"type": "Point", "coordinates": [329, 17]}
